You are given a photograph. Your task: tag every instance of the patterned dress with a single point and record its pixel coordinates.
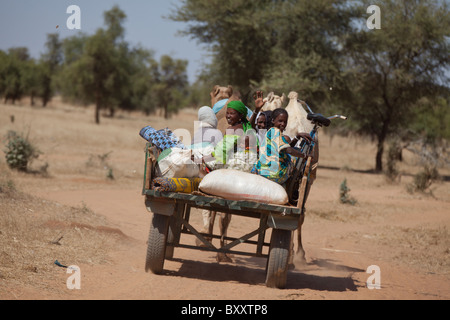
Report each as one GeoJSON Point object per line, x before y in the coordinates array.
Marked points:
{"type": "Point", "coordinates": [274, 163]}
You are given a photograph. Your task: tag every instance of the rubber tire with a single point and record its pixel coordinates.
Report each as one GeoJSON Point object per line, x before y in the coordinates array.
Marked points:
{"type": "Point", "coordinates": [278, 260]}
{"type": "Point", "coordinates": [156, 245]}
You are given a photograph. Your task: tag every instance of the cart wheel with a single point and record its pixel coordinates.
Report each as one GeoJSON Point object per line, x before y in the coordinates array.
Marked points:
{"type": "Point", "coordinates": [277, 263]}
{"type": "Point", "coordinates": [156, 246]}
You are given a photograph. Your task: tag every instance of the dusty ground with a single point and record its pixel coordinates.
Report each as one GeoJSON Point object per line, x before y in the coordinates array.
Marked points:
{"type": "Point", "coordinates": [103, 223]}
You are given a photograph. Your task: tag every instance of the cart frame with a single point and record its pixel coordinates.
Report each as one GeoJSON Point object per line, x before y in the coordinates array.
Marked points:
{"type": "Point", "coordinates": [171, 214]}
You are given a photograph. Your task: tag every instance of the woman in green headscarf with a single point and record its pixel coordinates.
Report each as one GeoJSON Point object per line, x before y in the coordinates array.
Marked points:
{"type": "Point", "coordinates": [237, 116]}
{"type": "Point", "coordinates": [238, 149]}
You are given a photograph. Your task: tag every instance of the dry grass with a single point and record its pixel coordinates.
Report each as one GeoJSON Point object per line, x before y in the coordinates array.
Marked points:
{"type": "Point", "coordinates": [36, 232]}
{"type": "Point", "coordinates": [76, 153]}
{"type": "Point", "coordinates": [424, 248]}
{"type": "Point", "coordinates": [72, 144]}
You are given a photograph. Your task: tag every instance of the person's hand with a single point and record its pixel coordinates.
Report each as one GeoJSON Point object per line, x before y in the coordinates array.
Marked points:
{"type": "Point", "coordinates": [303, 135]}
{"type": "Point", "coordinates": [259, 102]}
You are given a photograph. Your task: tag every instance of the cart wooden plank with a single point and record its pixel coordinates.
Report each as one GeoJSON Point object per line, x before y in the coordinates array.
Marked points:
{"type": "Point", "coordinates": [239, 207]}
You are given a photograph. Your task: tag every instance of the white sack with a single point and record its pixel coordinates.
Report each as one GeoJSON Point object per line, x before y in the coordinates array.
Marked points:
{"type": "Point", "coordinates": [178, 164]}
{"type": "Point", "coordinates": [237, 185]}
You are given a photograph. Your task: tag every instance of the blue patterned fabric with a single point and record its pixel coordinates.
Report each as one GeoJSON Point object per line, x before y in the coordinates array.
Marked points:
{"type": "Point", "coordinates": [163, 138]}
{"type": "Point", "coordinates": [274, 163]}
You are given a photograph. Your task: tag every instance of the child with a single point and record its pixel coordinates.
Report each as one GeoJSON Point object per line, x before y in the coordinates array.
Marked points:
{"type": "Point", "coordinates": [261, 120]}
{"type": "Point", "coordinates": [275, 162]}
{"type": "Point", "coordinates": [263, 124]}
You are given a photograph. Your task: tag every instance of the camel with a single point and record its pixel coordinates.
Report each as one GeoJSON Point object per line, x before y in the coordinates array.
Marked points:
{"type": "Point", "coordinates": [298, 122]}
{"type": "Point", "coordinates": [218, 93]}
{"type": "Point", "coordinates": [209, 218]}
{"type": "Point", "coordinates": [272, 102]}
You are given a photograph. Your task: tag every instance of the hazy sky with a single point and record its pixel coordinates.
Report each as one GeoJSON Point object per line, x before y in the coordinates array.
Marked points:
{"type": "Point", "coordinates": [26, 23]}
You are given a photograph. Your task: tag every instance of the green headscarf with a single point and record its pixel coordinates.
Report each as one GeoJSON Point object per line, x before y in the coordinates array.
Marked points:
{"type": "Point", "coordinates": [240, 107]}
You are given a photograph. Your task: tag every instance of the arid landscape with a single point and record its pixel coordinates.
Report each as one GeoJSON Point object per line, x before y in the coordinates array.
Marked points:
{"type": "Point", "coordinates": [80, 204]}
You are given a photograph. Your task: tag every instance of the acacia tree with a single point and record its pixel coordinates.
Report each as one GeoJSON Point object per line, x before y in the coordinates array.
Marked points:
{"type": "Point", "coordinates": [390, 69]}
{"type": "Point", "coordinates": [142, 68]}
{"type": "Point", "coordinates": [276, 45]}
{"type": "Point", "coordinates": [103, 69]}
{"type": "Point", "coordinates": [14, 67]}
{"type": "Point", "coordinates": [235, 32]}
{"type": "Point", "coordinates": [48, 67]}
{"type": "Point", "coordinates": [96, 71]}
{"type": "Point", "coordinates": [307, 53]}
{"type": "Point", "coordinates": [170, 84]}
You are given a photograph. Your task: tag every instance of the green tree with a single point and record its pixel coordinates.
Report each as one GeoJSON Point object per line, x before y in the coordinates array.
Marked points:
{"type": "Point", "coordinates": [142, 68]}
{"type": "Point", "coordinates": [237, 34]}
{"type": "Point", "coordinates": [276, 45]}
{"type": "Point", "coordinates": [103, 69]}
{"type": "Point", "coordinates": [19, 75]}
{"type": "Point", "coordinates": [308, 42]}
{"type": "Point", "coordinates": [66, 80]}
{"type": "Point", "coordinates": [32, 75]}
{"type": "Point", "coordinates": [49, 64]}
{"type": "Point", "coordinates": [170, 85]}
{"type": "Point", "coordinates": [199, 93]}
{"type": "Point", "coordinates": [389, 70]}
{"type": "Point", "coordinates": [3, 66]}
{"type": "Point", "coordinates": [96, 72]}
{"type": "Point", "coordinates": [432, 116]}
{"type": "Point", "coordinates": [13, 73]}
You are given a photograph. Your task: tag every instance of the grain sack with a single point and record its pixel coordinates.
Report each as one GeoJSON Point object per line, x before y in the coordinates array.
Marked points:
{"type": "Point", "coordinates": [177, 163]}
{"type": "Point", "coordinates": [237, 185]}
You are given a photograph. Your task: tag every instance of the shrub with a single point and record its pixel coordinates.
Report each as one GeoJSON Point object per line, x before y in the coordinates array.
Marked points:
{"type": "Point", "coordinates": [344, 194]}
{"type": "Point", "coordinates": [19, 151]}
{"type": "Point", "coordinates": [423, 180]}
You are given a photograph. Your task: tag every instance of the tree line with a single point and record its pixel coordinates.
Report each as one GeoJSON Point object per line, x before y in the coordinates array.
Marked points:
{"type": "Point", "coordinates": [392, 82]}
{"type": "Point", "coordinates": [102, 69]}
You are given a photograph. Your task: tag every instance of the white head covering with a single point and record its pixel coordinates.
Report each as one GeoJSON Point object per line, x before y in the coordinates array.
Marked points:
{"type": "Point", "coordinates": [207, 117]}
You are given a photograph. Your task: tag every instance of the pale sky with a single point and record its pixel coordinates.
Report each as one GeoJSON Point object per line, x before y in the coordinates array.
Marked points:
{"type": "Point", "coordinates": [26, 23]}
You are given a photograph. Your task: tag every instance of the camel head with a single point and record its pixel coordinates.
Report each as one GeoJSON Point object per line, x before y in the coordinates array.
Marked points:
{"type": "Point", "coordinates": [273, 101]}
{"type": "Point", "coordinates": [293, 95]}
{"type": "Point", "coordinates": [218, 93]}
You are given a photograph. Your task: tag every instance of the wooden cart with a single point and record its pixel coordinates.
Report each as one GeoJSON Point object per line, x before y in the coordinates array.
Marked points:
{"type": "Point", "coordinates": [172, 210]}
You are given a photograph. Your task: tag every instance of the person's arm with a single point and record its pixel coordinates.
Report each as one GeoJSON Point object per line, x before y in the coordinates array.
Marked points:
{"type": "Point", "coordinates": [293, 152]}
{"type": "Point", "coordinates": [299, 136]}
{"type": "Point", "coordinates": [259, 103]}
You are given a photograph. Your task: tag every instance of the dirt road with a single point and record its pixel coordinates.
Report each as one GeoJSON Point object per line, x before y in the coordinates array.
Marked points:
{"type": "Point", "coordinates": [404, 235]}
{"type": "Point", "coordinates": [338, 256]}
